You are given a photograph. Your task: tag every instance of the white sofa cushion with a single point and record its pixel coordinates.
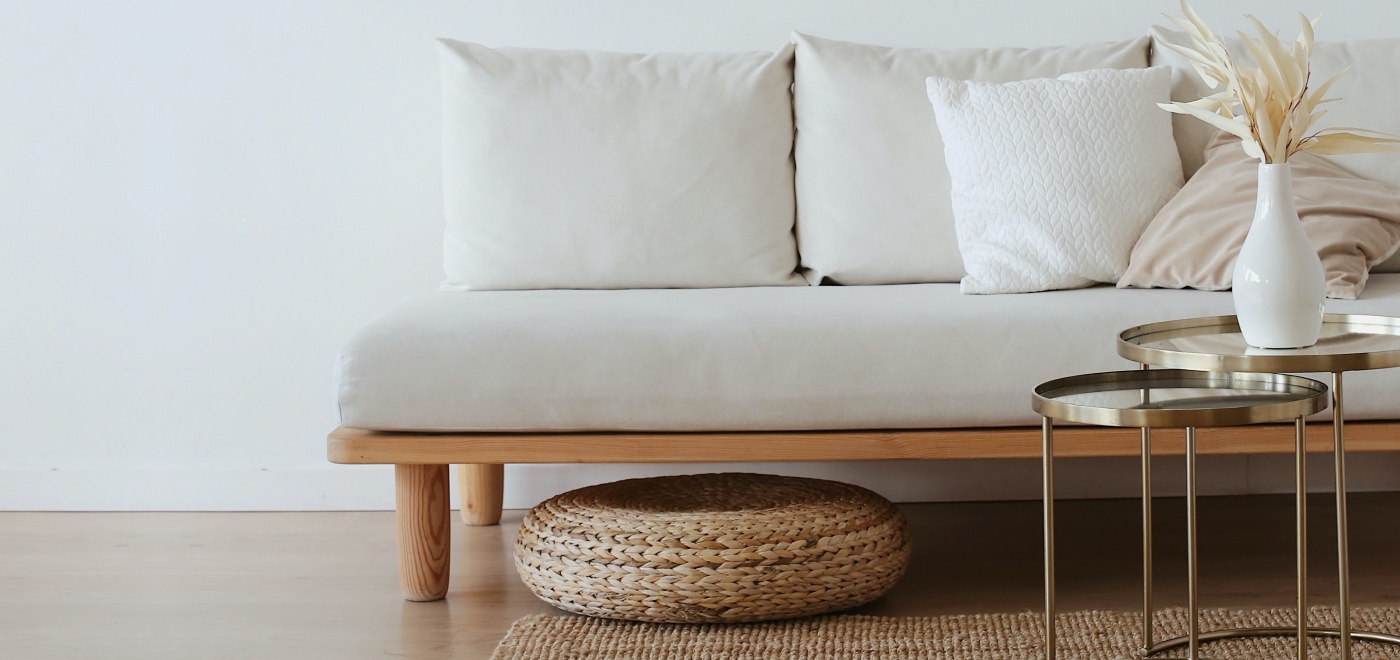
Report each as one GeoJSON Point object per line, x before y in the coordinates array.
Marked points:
{"type": "Point", "coordinates": [588, 170]}
{"type": "Point", "coordinates": [872, 187]}
{"type": "Point", "coordinates": [1370, 94]}
{"type": "Point", "coordinates": [1054, 179]}
{"type": "Point", "coordinates": [772, 358]}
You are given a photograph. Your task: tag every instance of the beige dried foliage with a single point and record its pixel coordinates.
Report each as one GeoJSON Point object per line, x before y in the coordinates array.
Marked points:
{"type": "Point", "coordinates": [1270, 107]}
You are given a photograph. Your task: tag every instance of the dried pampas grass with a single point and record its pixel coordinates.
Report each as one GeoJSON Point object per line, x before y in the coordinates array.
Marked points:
{"type": "Point", "coordinates": [1269, 107]}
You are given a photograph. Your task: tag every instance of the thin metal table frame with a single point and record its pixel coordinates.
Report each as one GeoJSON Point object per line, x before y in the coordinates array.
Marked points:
{"type": "Point", "coordinates": [1294, 398]}
{"type": "Point", "coordinates": [1348, 342]}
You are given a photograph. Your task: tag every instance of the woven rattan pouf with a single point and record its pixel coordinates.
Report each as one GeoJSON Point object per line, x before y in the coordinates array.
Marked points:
{"type": "Point", "coordinates": [711, 548]}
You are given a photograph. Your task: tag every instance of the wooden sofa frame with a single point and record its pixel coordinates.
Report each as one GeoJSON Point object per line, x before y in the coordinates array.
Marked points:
{"type": "Point", "coordinates": [421, 461]}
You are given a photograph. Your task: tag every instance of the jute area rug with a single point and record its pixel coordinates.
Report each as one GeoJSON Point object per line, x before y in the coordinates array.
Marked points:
{"type": "Point", "coordinates": [1083, 636]}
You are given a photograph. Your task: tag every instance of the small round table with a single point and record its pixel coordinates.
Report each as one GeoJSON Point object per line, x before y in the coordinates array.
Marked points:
{"type": "Point", "coordinates": [1348, 342]}
{"type": "Point", "coordinates": [1175, 398]}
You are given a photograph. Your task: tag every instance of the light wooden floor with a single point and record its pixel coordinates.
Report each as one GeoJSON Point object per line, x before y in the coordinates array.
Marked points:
{"type": "Point", "coordinates": [323, 585]}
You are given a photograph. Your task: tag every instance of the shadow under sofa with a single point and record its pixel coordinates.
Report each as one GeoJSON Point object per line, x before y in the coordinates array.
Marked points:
{"type": "Point", "coordinates": [485, 379]}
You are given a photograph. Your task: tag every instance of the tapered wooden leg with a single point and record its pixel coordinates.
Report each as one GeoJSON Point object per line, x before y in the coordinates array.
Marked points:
{"type": "Point", "coordinates": [480, 487]}
{"type": "Point", "coordinates": [425, 530]}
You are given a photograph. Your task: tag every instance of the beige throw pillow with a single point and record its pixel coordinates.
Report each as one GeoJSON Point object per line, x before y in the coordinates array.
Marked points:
{"type": "Point", "coordinates": [1193, 241]}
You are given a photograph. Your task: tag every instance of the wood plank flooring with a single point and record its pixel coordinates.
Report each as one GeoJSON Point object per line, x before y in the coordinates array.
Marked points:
{"type": "Point", "coordinates": [323, 585]}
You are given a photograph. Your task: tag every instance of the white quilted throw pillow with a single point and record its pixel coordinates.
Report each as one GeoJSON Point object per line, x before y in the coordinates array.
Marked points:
{"type": "Point", "coordinates": [1053, 180]}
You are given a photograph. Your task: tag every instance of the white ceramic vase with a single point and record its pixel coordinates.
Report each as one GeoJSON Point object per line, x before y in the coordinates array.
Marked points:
{"type": "Point", "coordinates": [1279, 286]}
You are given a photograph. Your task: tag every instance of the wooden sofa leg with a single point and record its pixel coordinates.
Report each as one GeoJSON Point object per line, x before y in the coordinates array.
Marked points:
{"type": "Point", "coordinates": [425, 530]}
{"type": "Point", "coordinates": [480, 487]}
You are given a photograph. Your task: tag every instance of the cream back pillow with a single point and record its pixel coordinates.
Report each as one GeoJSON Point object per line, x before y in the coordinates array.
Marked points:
{"type": "Point", "coordinates": [873, 193]}
{"type": "Point", "coordinates": [589, 170]}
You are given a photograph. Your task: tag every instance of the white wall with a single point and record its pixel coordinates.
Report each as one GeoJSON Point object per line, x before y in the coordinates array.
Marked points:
{"type": "Point", "coordinates": [200, 200]}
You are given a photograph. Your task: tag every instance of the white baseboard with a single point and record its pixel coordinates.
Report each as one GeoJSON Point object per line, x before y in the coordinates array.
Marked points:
{"type": "Point", "coordinates": [328, 488]}
{"type": "Point", "coordinates": [371, 487]}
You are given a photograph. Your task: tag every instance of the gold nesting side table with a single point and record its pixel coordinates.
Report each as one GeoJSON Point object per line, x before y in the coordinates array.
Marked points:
{"type": "Point", "coordinates": [1175, 398]}
{"type": "Point", "coordinates": [1348, 342]}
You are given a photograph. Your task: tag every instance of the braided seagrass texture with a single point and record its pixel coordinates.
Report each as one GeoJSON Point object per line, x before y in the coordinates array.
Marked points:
{"type": "Point", "coordinates": [711, 548]}
{"type": "Point", "coordinates": [1083, 636]}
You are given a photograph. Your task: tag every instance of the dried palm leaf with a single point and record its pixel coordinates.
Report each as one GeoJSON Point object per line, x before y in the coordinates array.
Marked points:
{"type": "Point", "coordinates": [1270, 106]}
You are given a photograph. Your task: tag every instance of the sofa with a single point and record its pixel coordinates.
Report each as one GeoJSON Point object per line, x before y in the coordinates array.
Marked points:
{"type": "Point", "coordinates": [832, 328]}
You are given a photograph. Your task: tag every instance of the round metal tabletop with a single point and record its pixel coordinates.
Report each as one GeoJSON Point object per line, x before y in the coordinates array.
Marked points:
{"type": "Point", "coordinates": [1348, 342]}
{"type": "Point", "coordinates": [1165, 398]}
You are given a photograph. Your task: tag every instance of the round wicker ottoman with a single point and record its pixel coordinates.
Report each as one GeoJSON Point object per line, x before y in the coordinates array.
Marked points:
{"type": "Point", "coordinates": [711, 548]}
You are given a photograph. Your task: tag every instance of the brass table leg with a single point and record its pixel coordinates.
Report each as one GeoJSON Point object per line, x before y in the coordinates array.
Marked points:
{"type": "Point", "coordinates": [1147, 609]}
{"type": "Point", "coordinates": [1339, 457]}
{"type": "Point", "coordinates": [1048, 453]}
{"type": "Point", "coordinates": [1192, 596]}
{"type": "Point", "coordinates": [1300, 458]}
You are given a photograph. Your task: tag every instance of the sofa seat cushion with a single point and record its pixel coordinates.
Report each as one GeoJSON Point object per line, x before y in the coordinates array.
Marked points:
{"type": "Point", "coordinates": [769, 358]}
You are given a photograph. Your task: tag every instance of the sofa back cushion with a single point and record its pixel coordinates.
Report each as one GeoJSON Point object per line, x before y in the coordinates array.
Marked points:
{"type": "Point", "coordinates": [873, 193]}
{"type": "Point", "coordinates": [1370, 94]}
{"type": "Point", "coordinates": [590, 170]}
